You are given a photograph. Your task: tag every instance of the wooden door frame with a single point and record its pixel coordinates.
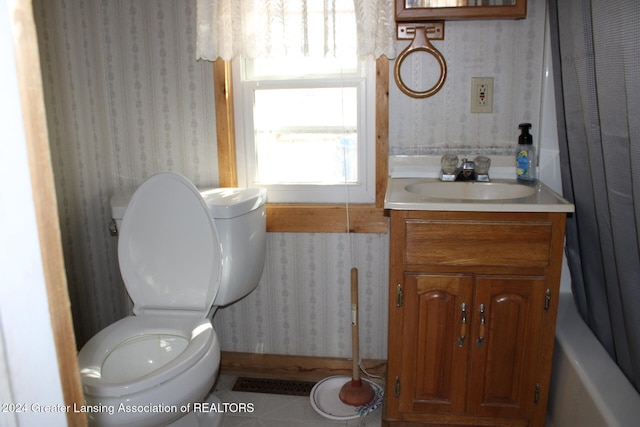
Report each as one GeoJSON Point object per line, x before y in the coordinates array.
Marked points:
{"type": "Point", "coordinates": [25, 44]}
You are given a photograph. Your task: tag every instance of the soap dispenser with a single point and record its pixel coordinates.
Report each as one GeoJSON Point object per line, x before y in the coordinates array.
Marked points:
{"type": "Point", "coordinates": [526, 156]}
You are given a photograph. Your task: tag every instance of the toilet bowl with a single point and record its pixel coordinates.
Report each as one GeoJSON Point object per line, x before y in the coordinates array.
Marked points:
{"type": "Point", "coordinates": [146, 369]}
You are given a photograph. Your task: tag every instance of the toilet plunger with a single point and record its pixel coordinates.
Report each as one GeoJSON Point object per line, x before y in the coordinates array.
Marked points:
{"type": "Point", "coordinates": [355, 392]}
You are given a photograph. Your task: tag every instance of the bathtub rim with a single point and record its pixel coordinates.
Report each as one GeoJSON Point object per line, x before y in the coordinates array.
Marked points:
{"type": "Point", "coordinates": [610, 390]}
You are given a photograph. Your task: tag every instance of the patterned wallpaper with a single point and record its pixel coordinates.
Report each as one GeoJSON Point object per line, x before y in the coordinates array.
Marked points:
{"type": "Point", "coordinates": [509, 51]}
{"type": "Point", "coordinates": [302, 304]}
{"type": "Point", "coordinates": [125, 98]}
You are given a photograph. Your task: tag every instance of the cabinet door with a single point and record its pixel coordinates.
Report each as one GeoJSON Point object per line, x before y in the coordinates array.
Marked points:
{"type": "Point", "coordinates": [505, 354]}
{"type": "Point", "coordinates": [435, 342]}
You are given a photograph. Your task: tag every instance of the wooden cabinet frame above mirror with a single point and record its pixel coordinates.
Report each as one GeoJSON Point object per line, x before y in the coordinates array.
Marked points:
{"type": "Point", "coordinates": [516, 11]}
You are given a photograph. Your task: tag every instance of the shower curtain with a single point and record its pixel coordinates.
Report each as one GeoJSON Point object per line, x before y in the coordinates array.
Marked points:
{"type": "Point", "coordinates": [596, 49]}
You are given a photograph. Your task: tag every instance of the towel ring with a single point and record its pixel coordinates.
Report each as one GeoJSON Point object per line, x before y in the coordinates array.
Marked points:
{"type": "Point", "coordinates": [420, 43]}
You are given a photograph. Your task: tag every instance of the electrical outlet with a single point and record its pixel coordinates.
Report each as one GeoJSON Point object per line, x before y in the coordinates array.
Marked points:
{"type": "Point", "coordinates": [481, 94]}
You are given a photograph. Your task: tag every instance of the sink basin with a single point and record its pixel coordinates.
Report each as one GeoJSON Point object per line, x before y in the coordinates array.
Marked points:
{"type": "Point", "coordinates": [470, 190]}
{"type": "Point", "coordinates": [499, 195]}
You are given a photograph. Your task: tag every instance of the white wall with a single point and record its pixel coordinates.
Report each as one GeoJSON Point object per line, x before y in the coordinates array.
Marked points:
{"type": "Point", "coordinates": [28, 363]}
{"type": "Point", "coordinates": [549, 151]}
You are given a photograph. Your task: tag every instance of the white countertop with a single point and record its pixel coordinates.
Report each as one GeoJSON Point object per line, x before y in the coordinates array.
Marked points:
{"type": "Point", "coordinates": [542, 200]}
{"type": "Point", "coordinates": [406, 171]}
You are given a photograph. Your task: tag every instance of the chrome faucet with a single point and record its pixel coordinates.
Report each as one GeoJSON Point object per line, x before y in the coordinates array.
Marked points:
{"type": "Point", "coordinates": [467, 171]}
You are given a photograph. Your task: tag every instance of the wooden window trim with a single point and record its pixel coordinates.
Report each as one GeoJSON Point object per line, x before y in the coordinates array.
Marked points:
{"type": "Point", "coordinates": [309, 218]}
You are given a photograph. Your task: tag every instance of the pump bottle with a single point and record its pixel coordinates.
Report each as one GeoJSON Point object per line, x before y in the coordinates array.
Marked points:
{"type": "Point", "coordinates": [526, 156]}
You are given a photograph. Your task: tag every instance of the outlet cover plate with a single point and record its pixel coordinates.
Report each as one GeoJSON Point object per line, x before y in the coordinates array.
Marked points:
{"type": "Point", "coordinates": [482, 94]}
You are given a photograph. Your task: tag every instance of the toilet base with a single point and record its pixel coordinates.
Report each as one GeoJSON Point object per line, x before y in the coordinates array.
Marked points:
{"type": "Point", "coordinates": [202, 418]}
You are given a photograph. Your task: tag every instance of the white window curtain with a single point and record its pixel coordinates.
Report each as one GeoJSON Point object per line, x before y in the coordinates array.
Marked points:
{"type": "Point", "coordinates": [286, 28]}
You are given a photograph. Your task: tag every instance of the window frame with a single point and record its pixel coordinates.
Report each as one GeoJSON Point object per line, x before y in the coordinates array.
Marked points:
{"type": "Point", "coordinates": [362, 80]}
{"type": "Point", "coordinates": [309, 217]}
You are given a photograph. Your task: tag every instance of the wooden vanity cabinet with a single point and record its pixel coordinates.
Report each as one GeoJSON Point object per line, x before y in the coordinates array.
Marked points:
{"type": "Point", "coordinates": [472, 311]}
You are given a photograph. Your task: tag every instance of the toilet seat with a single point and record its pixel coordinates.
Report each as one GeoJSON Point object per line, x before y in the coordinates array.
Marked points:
{"type": "Point", "coordinates": [168, 248]}
{"type": "Point", "coordinates": [197, 334]}
{"type": "Point", "coordinates": [171, 260]}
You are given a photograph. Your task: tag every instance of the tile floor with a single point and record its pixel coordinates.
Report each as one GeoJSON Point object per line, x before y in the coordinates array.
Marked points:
{"type": "Point", "coordinates": [274, 410]}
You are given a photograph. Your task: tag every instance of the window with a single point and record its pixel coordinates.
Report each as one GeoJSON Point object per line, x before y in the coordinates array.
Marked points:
{"type": "Point", "coordinates": [305, 128]}
{"type": "Point", "coordinates": [265, 28]}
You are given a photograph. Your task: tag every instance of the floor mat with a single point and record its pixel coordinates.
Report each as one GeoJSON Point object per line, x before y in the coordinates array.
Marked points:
{"type": "Point", "coordinates": [270, 386]}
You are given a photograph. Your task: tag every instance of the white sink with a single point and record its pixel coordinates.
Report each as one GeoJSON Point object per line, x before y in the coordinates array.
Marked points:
{"type": "Point", "coordinates": [471, 190]}
{"type": "Point", "coordinates": [499, 195]}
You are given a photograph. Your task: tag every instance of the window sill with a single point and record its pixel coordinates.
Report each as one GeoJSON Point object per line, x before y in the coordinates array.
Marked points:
{"type": "Point", "coordinates": [325, 218]}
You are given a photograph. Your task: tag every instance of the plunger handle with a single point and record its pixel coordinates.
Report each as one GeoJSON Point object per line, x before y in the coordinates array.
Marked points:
{"type": "Point", "coordinates": [355, 392]}
{"type": "Point", "coordinates": [354, 324]}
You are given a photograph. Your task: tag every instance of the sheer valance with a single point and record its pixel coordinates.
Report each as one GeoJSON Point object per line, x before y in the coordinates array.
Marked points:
{"type": "Point", "coordinates": [289, 28]}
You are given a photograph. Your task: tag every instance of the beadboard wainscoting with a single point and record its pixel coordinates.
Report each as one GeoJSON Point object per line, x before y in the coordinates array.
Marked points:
{"type": "Point", "coordinates": [125, 98]}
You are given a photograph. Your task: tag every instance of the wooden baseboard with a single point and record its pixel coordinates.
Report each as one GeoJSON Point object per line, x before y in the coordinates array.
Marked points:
{"type": "Point", "coordinates": [302, 368]}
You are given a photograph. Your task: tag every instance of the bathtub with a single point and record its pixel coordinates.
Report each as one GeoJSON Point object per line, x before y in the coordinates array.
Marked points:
{"type": "Point", "coordinates": [587, 388]}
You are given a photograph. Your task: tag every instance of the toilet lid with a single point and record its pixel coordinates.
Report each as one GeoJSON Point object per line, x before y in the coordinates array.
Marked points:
{"type": "Point", "coordinates": [168, 248]}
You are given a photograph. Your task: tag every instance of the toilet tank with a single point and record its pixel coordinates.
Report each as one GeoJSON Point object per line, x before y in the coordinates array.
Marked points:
{"type": "Point", "coordinates": [240, 218]}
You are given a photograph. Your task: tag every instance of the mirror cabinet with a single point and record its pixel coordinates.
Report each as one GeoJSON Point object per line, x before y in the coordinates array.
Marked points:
{"type": "Point", "coordinates": [429, 10]}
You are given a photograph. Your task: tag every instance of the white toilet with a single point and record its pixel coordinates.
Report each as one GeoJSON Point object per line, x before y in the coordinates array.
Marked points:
{"type": "Point", "coordinates": [182, 253]}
